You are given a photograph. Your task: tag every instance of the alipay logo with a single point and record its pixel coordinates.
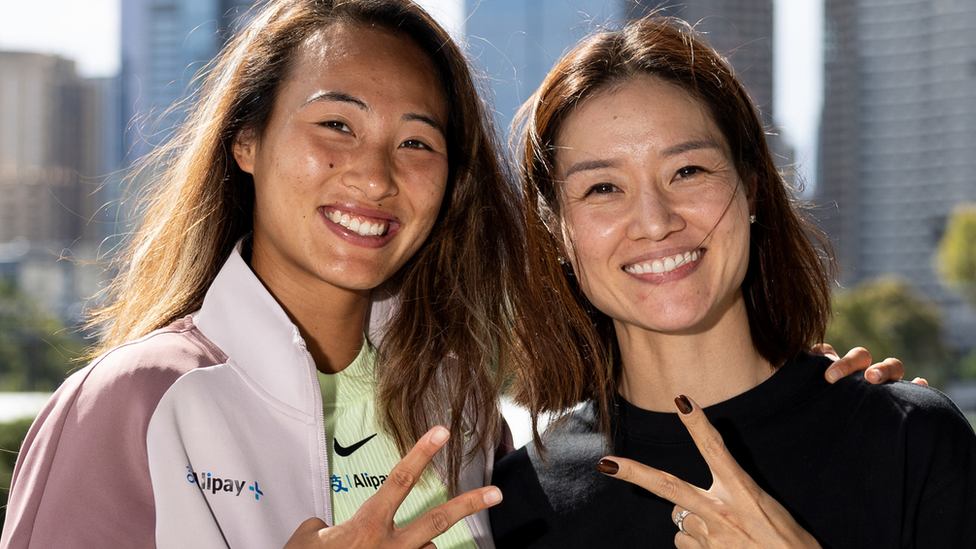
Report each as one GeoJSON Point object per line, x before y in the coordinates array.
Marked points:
{"type": "Point", "coordinates": [217, 485]}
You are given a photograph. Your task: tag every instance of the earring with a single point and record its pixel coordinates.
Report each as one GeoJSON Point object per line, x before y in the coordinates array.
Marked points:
{"type": "Point", "coordinates": [752, 219]}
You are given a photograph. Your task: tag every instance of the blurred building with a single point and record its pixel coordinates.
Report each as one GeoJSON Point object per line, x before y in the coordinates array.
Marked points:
{"type": "Point", "coordinates": [742, 30]}
{"type": "Point", "coordinates": [164, 44]}
{"type": "Point", "coordinates": [49, 144]}
{"type": "Point", "coordinates": [898, 139]}
{"type": "Point", "coordinates": [516, 42]}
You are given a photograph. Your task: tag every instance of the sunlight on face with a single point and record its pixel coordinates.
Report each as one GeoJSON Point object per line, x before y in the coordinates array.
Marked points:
{"type": "Point", "coordinates": [653, 212]}
{"type": "Point", "coordinates": [350, 173]}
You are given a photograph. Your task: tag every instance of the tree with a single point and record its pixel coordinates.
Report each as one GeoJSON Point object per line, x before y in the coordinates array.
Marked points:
{"type": "Point", "coordinates": [888, 318]}
{"type": "Point", "coordinates": [36, 350]}
{"type": "Point", "coordinates": [957, 251]}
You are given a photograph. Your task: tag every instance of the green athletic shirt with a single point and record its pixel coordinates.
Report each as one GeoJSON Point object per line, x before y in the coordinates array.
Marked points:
{"type": "Point", "coordinates": [361, 455]}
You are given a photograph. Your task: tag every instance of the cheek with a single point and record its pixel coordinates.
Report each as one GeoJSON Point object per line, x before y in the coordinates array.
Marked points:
{"type": "Point", "coordinates": [427, 197]}
{"type": "Point", "coordinates": [589, 245]}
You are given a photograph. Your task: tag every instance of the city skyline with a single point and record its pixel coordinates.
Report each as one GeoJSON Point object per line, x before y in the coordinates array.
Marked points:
{"type": "Point", "coordinates": [89, 33]}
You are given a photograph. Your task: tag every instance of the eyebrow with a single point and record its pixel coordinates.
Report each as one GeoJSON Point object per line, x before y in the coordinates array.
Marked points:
{"type": "Point", "coordinates": [587, 165]}
{"type": "Point", "coordinates": [680, 148]}
{"type": "Point", "coordinates": [341, 97]}
{"type": "Point", "coordinates": [415, 117]}
{"type": "Point", "coordinates": [694, 145]}
{"type": "Point", "coordinates": [338, 97]}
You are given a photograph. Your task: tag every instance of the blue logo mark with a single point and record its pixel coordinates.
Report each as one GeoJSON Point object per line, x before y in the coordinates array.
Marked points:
{"type": "Point", "coordinates": [209, 483]}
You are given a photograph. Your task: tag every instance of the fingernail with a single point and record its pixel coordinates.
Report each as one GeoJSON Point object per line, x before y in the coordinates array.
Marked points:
{"type": "Point", "coordinates": [873, 376]}
{"type": "Point", "coordinates": [492, 496]}
{"type": "Point", "coordinates": [607, 467]}
{"type": "Point", "coordinates": [439, 435]}
{"type": "Point", "coordinates": [683, 404]}
{"type": "Point", "coordinates": [833, 375]}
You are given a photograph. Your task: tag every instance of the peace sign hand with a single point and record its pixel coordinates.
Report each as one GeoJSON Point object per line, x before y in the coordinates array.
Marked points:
{"type": "Point", "coordinates": [733, 512]}
{"type": "Point", "coordinates": [372, 526]}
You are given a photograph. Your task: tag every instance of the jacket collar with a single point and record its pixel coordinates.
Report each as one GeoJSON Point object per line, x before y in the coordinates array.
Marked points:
{"type": "Point", "coordinates": [248, 324]}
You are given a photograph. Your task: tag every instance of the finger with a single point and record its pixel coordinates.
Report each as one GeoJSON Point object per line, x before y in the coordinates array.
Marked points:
{"type": "Point", "coordinates": [307, 532]}
{"type": "Point", "coordinates": [659, 483]}
{"type": "Point", "coordinates": [889, 369]}
{"type": "Point", "coordinates": [825, 349]}
{"type": "Point", "coordinates": [691, 525]}
{"type": "Point", "coordinates": [439, 519]}
{"type": "Point", "coordinates": [406, 473]}
{"type": "Point", "coordinates": [920, 381]}
{"type": "Point", "coordinates": [855, 360]}
{"type": "Point", "coordinates": [707, 438]}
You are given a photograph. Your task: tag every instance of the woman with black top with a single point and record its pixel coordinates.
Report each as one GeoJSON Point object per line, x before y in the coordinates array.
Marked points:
{"type": "Point", "coordinates": [684, 249]}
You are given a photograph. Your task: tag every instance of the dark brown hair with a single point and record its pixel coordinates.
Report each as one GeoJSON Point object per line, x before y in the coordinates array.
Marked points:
{"type": "Point", "coordinates": [466, 299]}
{"type": "Point", "coordinates": [787, 285]}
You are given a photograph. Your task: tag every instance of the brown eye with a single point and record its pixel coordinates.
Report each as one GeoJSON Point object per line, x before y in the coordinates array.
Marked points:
{"type": "Point", "coordinates": [415, 144]}
{"type": "Point", "coordinates": [689, 171]}
{"type": "Point", "coordinates": [336, 125]}
{"type": "Point", "coordinates": [602, 188]}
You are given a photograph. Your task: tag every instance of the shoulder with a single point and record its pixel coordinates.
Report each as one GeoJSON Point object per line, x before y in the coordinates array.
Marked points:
{"type": "Point", "coordinates": [548, 488]}
{"type": "Point", "coordinates": [148, 365]}
{"type": "Point", "coordinates": [917, 405]}
{"type": "Point", "coordinates": [565, 469]}
{"type": "Point", "coordinates": [120, 389]}
{"type": "Point", "coordinates": [928, 427]}
{"type": "Point", "coordinates": [109, 403]}
{"type": "Point", "coordinates": [173, 350]}
{"type": "Point", "coordinates": [87, 448]}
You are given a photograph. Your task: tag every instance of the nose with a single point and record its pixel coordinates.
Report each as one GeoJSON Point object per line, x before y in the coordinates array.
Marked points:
{"type": "Point", "coordinates": [373, 175]}
{"type": "Point", "coordinates": [654, 215]}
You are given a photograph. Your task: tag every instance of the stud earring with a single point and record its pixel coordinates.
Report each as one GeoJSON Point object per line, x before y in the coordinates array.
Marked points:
{"type": "Point", "coordinates": [752, 219]}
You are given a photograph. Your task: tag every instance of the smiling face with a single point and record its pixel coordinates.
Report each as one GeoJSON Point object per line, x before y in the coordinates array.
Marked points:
{"type": "Point", "coordinates": [350, 172]}
{"type": "Point", "coordinates": [654, 216]}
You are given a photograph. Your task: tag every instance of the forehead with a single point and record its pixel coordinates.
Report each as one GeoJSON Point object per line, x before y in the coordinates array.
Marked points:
{"type": "Point", "coordinates": [367, 60]}
{"type": "Point", "coordinates": [640, 112]}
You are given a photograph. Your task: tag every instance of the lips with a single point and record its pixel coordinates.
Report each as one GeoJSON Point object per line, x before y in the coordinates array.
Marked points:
{"type": "Point", "coordinates": [359, 224]}
{"type": "Point", "coordinates": [664, 264]}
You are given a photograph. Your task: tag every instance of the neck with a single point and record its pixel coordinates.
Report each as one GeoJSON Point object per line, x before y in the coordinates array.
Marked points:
{"type": "Point", "coordinates": [710, 365]}
{"type": "Point", "coordinates": [330, 319]}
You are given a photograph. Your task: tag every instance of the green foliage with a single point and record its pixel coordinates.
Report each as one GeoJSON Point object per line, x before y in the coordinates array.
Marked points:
{"type": "Point", "coordinates": [11, 436]}
{"type": "Point", "coordinates": [957, 251]}
{"type": "Point", "coordinates": [886, 317]}
{"type": "Point", "coordinates": [35, 348]}
{"type": "Point", "coordinates": [967, 367]}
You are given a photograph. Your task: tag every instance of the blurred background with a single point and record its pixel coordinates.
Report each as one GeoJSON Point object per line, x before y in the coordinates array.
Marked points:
{"type": "Point", "coordinates": [871, 108]}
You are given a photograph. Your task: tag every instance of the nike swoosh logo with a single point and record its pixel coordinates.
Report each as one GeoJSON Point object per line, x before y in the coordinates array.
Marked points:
{"type": "Point", "coordinates": [347, 451]}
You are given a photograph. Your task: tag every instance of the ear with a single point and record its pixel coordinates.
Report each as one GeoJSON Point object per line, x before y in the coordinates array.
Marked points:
{"type": "Point", "coordinates": [245, 148]}
{"type": "Point", "coordinates": [564, 242]}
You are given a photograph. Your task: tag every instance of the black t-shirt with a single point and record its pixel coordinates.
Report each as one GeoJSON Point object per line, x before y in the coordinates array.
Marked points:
{"type": "Point", "coordinates": [857, 465]}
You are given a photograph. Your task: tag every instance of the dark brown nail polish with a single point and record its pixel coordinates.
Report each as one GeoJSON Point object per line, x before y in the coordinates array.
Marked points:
{"type": "Point", "coordinates": [683, 404]}
{"type": "Point", "coordinates": [608, 467]}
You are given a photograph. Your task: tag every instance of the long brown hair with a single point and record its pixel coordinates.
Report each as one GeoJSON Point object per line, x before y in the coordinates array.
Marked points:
{"type": "Point", "coordinates": [787, 285]}
{"type": "Point", "coordinates": [466, 299]}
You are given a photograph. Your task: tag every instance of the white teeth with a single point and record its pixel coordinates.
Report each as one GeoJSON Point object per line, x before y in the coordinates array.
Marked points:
{"type": "Point", "coordinates": [357, 225]}
{"type": "Point", "coordinates": [666, 266]}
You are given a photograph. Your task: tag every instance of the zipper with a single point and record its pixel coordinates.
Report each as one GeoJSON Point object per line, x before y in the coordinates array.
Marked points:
{"type": "Point", "coordinates": [320, 425]}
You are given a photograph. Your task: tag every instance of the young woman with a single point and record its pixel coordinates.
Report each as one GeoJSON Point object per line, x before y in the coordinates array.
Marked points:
{"type": "Point", "coordinates": [683, 246]}
{"type": "Point", "coordinates": [339, 151]}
